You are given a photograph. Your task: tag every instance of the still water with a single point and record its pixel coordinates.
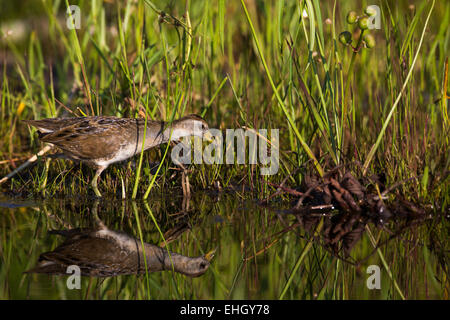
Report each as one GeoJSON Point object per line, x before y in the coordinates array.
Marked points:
{"type": "Point", "coordinates": [222, 246]}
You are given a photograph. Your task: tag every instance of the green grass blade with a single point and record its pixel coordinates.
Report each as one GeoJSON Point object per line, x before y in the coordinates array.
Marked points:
{"type": "Point", "coordinates": [280, 101]}
{"type": "Point", "coordinates": [391, 113]}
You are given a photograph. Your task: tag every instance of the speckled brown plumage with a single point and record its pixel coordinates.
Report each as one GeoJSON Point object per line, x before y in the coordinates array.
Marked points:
{"type": "Point", "coordinates": [100, 141]}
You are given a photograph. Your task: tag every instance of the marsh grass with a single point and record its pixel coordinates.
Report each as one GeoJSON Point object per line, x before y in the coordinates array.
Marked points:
{"type": "Point", "coordinates": [136, 59]}
{"type": "Point", "coordinates": [252, 64]}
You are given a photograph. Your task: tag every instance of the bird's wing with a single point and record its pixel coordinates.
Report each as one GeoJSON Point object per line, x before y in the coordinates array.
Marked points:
{"type": "Point", "coordinates": [53, 124]}
{"type": "Point", "coordinates": [90, 138]}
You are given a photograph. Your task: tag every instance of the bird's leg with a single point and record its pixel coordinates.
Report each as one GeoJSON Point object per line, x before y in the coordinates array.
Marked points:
{"type": "Point", "coordinates": [94, 181]}
{"type": "Point", "coordinates": [98, 222]}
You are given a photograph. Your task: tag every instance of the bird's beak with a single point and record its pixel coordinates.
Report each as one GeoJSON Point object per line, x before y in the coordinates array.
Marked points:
{"type": "Point", "coordinates": [210, 254]}
{"type": "Point", "coordinates": [208, 136]}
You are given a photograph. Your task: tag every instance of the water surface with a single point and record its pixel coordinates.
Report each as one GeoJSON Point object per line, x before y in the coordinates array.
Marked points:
{"type": "Point", "coordinates": [257, 250]}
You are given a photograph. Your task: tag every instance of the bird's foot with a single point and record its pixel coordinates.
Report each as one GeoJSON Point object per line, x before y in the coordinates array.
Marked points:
{"type": "Point", "coordinates": [97, 193]}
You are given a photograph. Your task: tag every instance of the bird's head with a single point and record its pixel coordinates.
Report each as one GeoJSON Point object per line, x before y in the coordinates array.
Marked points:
{"type": "Point", "coordinates": [191, 125]}
{"type": "Point", "coordinates": [195, 267]}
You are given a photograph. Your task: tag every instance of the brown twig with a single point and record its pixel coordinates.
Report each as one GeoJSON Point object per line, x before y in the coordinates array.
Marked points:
{"type": "Point", "coordinates": [26, 163]}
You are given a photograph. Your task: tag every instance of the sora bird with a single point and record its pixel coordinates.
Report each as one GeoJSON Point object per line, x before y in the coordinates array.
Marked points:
{"type": "Point", "coordinates": [102, 140]}
{"type": "Point", "coordinates": [101, 252]}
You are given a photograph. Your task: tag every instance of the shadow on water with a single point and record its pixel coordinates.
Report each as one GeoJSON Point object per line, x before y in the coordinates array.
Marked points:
{"type": "Point", "coordinates": [258, 256]}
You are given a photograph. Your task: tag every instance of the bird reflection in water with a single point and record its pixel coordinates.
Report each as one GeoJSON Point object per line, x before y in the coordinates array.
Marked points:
{"type": "Point", "coordinates": [101, 252]}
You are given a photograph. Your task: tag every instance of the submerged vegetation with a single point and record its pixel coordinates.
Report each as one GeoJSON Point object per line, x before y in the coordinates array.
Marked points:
{"type": "Point", "coordinates": [364, 143]}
